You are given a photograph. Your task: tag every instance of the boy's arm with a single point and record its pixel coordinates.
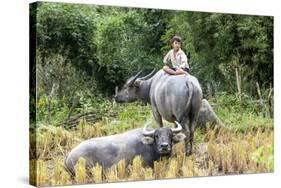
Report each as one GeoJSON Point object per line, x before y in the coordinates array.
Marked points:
{"type": "Point", "coordinates": [168, 70]}
{"type": "Point", "coordinates": [184, 60]}
{"type": "Point", "coordinates": [167, 64]}
{"type": "Point", "coordinates": [166, 58]}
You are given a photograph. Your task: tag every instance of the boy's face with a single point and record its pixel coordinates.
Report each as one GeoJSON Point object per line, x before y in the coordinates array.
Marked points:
{"type": "Point", "coordinates": [176, 45]}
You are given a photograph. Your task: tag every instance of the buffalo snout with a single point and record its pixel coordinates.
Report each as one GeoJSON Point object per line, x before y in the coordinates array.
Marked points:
{"type": "Point", "coordinates": [165, 148]}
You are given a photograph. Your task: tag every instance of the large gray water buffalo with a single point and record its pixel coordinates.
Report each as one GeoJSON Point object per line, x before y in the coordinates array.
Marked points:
{"type": "Point", "coordinates": [172, 97]}
{"type": "Point", "coordinates": [106, 151]}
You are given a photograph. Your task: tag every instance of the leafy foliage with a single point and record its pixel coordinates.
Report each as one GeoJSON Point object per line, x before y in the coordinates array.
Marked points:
{"type": "Point", "coordinates": [84, 51]}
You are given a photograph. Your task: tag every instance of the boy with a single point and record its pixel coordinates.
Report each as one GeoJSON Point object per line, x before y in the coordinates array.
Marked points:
{"type": "Point", "coordinates": [177, 57]}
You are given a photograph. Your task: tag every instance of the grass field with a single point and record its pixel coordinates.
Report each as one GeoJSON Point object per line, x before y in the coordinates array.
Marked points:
{"type": "Point", "coordinates": [245, 145]}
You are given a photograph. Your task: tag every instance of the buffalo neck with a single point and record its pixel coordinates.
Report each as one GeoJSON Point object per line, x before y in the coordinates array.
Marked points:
{"type": "Point", "coordinates": [144, 90]}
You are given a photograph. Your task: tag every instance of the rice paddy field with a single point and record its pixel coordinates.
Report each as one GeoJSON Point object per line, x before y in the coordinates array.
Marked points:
{"type": "Point", "coordinates": [244, 145]}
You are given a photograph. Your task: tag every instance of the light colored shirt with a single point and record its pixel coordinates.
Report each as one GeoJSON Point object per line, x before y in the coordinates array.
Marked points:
{"type": "Point", "coordinates": [179, 60]}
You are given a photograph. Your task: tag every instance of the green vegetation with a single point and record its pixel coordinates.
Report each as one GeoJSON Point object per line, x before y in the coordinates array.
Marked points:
{"type": "Point", "coordinates": [82, 52]}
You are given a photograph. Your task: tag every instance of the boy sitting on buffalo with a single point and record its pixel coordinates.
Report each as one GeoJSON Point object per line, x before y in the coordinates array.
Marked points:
{"type": "Point", "coordinates": [176, 61]}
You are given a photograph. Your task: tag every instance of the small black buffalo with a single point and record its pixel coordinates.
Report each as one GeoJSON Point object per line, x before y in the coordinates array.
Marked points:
{"type": "Point", "coordinates": [106, 151]}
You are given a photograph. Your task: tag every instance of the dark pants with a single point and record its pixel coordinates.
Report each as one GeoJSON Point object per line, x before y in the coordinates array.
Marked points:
{"type": "Point", "coordinates": [185, 69]}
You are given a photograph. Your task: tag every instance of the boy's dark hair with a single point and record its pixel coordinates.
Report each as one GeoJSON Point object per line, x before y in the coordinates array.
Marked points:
{"type": "Point", "coordinates": [176, 38]}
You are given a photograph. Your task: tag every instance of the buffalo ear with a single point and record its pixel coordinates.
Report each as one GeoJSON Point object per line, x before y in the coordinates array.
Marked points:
{"type": "Point", "coordinates": [147, 140]}
{"type": "Point", "coordinates": [179, 137]}
{"type": "Point", "coordinates": [137, 83]}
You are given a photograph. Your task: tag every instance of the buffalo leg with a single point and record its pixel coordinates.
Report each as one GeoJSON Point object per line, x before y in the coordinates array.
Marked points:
{"type": "Point", "coordinates": [191, 142]}
{"type": "Point", "coordinates": [192, 125]}
{"type": "Point", "coordinates": [188, 149]}
{"type": "Point", "coordinates": [189, 136]}
{"type": "Point", "coordinates": [189, 133]}
{"type": "Point", "coordinates": [157, 117]}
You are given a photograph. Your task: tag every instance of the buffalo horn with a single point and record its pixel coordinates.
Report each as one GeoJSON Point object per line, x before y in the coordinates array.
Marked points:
{"type": "Point", "coordinates": [146, 132]}
{"type": "Point", "coordinates": [148, 76]}
{"type": "Point", "coordinates": [178, 129]}
{"type": "Point", "coordinates": [134, 78]}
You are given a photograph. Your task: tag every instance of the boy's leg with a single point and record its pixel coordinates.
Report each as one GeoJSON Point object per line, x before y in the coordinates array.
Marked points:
{"type": "Point", "coordinates": [169, 70]}
{"type": "Point", "coordinates": [185, 70]}
{"type": "Point", "coordinates": [182, 71]}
